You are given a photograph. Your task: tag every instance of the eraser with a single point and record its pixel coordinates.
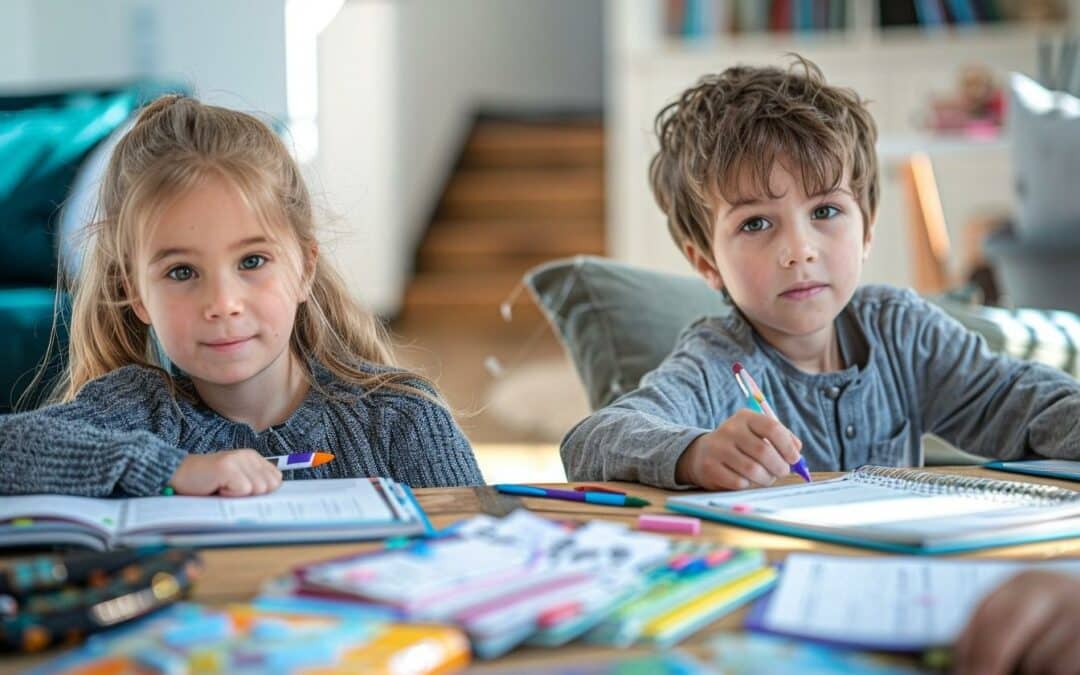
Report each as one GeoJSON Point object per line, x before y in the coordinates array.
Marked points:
{"type": "Point", "coordinates": [653, 522]}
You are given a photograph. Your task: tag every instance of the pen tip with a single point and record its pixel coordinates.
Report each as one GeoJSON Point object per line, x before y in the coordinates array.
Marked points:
{"type": "Point", "coordinates": [737, 368]}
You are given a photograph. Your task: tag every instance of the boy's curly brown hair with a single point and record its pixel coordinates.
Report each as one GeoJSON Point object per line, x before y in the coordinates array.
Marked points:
{"type": "Point", "coordinates": [722, 137]}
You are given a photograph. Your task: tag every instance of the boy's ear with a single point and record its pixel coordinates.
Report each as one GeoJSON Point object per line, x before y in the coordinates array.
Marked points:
{"type": "Point", "coordinates": [868, 237]}
{"type": "Point", "coordinates": [703, 265]}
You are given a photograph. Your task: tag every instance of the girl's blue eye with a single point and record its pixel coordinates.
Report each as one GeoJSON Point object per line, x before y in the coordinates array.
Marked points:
{"type": "Point", "coordinates": [755, 225]}
{"type": "Point", "coordinates": [180, 273]}
{"type": "Point", "coordinates": [824, 212]}
{"type": "Point", "coordinates": [252, 262]}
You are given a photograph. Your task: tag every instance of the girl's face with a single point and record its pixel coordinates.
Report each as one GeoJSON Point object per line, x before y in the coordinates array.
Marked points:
{"type": "Point", "coordinates": [220, 295]}
{"type": "Point", "coordinates": [791, 264]}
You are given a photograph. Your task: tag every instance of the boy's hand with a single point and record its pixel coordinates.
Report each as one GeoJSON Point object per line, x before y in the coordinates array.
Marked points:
{"type": "Point", "coordinates": [229, 473]}
{"type": "Point", "coordinates": [749, 448]}
{"type": "Point", "coordinates": [1028, 625]}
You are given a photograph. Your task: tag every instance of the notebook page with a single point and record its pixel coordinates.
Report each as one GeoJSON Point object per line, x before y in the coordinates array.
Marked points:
{"type": "Point", "coordinates": [842, 502]}
{"type": "Point", "coordinates": [892, 603]}
{"type": "Point", "coordinates": [296, 504]}
{"type": "Point", "coordinates": [100, 514]}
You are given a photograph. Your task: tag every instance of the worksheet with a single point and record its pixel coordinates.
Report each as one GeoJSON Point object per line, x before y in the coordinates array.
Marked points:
{"type": "Point", "coordinates": [894, 603]}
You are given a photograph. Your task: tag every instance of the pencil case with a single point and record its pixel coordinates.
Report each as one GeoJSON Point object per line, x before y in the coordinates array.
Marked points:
{"type": "Point", "coordinates": [36, 620]}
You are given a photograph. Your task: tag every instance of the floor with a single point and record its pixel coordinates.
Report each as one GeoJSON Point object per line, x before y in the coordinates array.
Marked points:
{"type": "Point", "coordinates": [467, 365]}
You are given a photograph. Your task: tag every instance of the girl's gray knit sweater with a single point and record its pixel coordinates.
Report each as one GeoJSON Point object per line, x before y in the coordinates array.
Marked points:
{"type": "Point", "coordinates": [125, 434]}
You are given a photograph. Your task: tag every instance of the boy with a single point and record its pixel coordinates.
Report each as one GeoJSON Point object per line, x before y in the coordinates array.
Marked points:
{"type": "Point", "coordinates": [769, 182]}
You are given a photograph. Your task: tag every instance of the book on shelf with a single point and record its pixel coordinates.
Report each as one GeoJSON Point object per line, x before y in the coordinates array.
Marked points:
{"type": "Point", "coordinates": [704, 19]}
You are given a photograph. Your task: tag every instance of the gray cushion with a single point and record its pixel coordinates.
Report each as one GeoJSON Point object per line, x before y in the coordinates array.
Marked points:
{"type": "Point", "coordinates": [1044, 130]}
{"type": "Point", "coordinates": [618, 322]}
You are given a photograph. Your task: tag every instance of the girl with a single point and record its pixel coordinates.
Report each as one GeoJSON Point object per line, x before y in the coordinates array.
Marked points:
{"type": "Point", "coordinates": [208, 333]}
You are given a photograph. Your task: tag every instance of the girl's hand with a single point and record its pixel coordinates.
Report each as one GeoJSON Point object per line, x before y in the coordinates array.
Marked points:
{"type": "Point", "coordinates": [229, 473]}
{"type": "Point", "coordinates": [1029, 624]}
{"type": "Point", "coordinates": [749, 448]}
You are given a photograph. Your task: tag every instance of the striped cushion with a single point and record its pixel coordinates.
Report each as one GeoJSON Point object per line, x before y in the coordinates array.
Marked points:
{"type": "Point", "coordinates": [1047, 336]}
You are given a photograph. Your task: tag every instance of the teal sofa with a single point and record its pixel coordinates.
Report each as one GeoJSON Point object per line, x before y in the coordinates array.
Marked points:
{"type": "Point", "coordinates": [45, 139]}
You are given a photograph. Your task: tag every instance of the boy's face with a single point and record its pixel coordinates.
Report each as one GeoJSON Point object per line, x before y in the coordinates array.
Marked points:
{"type": "Point", "coordinates": [220, 295]}
{"type": "Point", "coordinates": [791, 264]}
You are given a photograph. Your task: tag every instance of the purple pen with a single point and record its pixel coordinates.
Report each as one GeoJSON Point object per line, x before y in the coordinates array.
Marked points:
{"type": "Point", "coordinates": [756, 399]}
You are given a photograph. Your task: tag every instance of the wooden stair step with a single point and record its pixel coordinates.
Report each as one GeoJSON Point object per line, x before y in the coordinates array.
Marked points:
{"type": "Point", "coordinates": [483, 262]}
{"type": "Point", "coordinates": [462, 289]}
{"type": "Point", "coordinates": [453, 298]}
{"type": "Point", "coordinates": [508, 143]}
{"type": "Point", "coordinates": [495, 237]}
{"type": "Point", "coordinates": [524, 194]}
{"type": "Point", "coordinates": [508, 246]}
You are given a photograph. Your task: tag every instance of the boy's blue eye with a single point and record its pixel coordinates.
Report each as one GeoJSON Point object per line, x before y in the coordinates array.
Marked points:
{"type": "Point", "coordinates": [755, 225]}
{"type": "Point", "coordinates": [180, 273]}
{"type": "Point", "coordinates": [824, 212]}
{"type": "Point", "coordinates": [252, 262]}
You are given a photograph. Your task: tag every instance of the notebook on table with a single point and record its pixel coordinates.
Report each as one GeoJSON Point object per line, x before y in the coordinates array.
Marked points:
{"type": "Point", "coordinates": [882, 603]}
{"type": "Point", "coordinates": [900, 510]}
{"type": "Point", "coordinates": [303, 511]}
{"type": "Point", "coordinates": [1051, 468]}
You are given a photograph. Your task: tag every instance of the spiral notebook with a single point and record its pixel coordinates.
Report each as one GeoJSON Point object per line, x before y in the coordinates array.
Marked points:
{"type": "Point", "coordinates": [901, 510]}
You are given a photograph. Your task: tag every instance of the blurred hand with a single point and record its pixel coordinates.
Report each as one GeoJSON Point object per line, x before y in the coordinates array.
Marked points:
{"type": "Point", "coordinates": [749, 448]}
{"type": "Point", "coordinates": [229, 473]}
{"type": "Point", "coordinates": [1029, 624]}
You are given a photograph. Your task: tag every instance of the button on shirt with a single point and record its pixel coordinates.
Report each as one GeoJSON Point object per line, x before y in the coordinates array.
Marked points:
{"type": "Point", "coordinates": [911, 370]}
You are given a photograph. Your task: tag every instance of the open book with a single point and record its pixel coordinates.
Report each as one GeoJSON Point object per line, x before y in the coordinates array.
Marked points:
{"type": "Point", "coordinates": [902, 510]}
{"type": "Point", "coordinates": [302, 511]}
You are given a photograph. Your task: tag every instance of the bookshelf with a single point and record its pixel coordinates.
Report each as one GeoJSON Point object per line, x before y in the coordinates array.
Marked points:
{"type": "Point", "coordinates": [897, 68]}
{"type": "Point", "coordinates": [707, 20]}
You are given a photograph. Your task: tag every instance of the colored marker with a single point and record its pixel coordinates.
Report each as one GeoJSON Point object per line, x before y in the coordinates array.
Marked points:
{"type": "Point", "coordinates": [300, 460]}
{"type": "Point", "coordinates": [604, 498]}
{"type": "Point", "coordinates": [756, 400]}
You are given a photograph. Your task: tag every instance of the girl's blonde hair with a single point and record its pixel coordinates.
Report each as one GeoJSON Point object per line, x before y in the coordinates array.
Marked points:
{"type": "Point", "coordinates": [177, 142]}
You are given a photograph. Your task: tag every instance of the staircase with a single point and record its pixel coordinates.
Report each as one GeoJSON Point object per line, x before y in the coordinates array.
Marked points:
{"type": "Point", "coordinates": [524, 192]}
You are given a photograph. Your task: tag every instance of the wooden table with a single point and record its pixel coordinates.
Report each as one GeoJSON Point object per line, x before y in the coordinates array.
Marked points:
{"type": "Point", "coordinates": [234, 575]}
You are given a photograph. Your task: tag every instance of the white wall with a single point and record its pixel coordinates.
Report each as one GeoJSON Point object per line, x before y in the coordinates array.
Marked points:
{"type": "Point", "coordinates": [357, 165]}
{"type": "Point", "coordinates": [16, 53]}
{"type": "Point", "coordinates": [446, 58]}
{"type": "Point", "coordinates": [233, 52]}
{"type": "Point", "coordinates": [458, 55]}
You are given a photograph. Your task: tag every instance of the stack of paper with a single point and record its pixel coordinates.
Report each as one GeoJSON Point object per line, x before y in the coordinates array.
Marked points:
{"type": "Point", "coordinates": [522, 578]}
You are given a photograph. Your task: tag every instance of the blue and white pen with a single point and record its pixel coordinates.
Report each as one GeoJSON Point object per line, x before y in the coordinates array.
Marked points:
{"type": "Point", "coordinates": [756, 400]}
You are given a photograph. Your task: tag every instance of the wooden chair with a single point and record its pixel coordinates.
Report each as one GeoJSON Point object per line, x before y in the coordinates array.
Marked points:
{"type": "Point", "coordinates": [928, 237]}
